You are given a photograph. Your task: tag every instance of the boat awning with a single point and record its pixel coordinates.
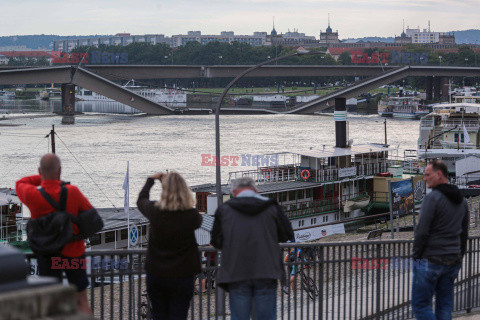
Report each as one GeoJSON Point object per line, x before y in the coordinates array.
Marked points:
{"type": "Point", "coordinates": [114, 219]}
{"type": "Point", "coordinates": [360, 149]}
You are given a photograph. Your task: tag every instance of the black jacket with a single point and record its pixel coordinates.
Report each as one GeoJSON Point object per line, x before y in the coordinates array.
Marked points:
{"type": "Point", "coordinates": [248, 230]}
{"type": "Point", "coordinates": [172, 247]}
{"type": "Point", "coordinates": [442, 228]}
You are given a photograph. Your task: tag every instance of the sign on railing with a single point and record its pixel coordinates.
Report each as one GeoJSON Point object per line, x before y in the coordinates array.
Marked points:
{"type": "Point", "coordinates": [347, 172]}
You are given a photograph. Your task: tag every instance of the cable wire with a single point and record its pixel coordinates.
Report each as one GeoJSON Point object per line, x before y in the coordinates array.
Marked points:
{"type": "Point", "coordinates": [86, 172]}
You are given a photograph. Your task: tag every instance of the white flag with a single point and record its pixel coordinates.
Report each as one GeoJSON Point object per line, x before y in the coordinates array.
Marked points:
{"type": "Point", "coordinates": [466, 137]}
{"type": "Point", "coordinates": [126, 188]}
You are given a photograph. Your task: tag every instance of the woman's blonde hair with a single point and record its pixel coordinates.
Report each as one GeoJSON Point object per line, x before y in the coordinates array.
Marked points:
{"type": "Point", "coordinates": [176, 195]}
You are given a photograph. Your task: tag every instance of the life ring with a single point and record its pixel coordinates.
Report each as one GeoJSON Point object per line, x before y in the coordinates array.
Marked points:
{"type": "Point", "coordinates": [305, 174]}
{"type": "Point", "coordinates": [264, 173]}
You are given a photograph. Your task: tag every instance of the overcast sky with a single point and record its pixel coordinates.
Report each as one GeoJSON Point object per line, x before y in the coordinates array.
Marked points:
{"type": "Point", "coordinates": [358, 18]}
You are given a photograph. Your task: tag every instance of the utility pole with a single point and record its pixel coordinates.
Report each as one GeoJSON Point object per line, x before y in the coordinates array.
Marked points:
{"type": "Point", "coordinates": [385, 125]}
{"type": "Point", "coordinates": [52, 136]}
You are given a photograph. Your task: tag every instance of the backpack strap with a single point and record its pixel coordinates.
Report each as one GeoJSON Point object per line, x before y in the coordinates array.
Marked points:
{"type": "Point", "coordinates": [62, 203]}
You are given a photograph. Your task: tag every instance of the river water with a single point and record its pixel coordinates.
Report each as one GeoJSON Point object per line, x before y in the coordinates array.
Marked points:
{"type": "Point", "coordinates": [95, 150]}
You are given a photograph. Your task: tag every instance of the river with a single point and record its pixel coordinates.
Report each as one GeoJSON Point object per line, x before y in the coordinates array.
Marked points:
{"type": "Point", "coordinates": [95, 150]}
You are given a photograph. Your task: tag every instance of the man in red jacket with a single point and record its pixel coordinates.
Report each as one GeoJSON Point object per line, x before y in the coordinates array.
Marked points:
{"type": "Point", "coordinates": [72, 259]}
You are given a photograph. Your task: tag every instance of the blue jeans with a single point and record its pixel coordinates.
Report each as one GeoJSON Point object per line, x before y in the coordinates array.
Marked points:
{"type": "Point", "coordinates": [263, 293]}
{"type": "Point", "coordinates": [170, 297]}
{"type": "Point", "coordinates": [430, 279]}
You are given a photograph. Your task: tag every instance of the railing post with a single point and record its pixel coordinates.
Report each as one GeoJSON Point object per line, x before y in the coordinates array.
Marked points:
{"type": "Point", "coordinates": [378, 253]}
{"type": "Point", "coordinates": [469, 276]}
{"type": "Point", "coordinates": [220, 294]}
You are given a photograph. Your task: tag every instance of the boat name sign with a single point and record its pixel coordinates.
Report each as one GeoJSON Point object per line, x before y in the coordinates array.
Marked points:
{"type": "Point", "coordinates": [347, 172]}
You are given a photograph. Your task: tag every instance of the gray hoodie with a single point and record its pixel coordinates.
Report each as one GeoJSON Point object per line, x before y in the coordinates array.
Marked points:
{"type": "Point", "coordinates": [248, 229]}
{"type": "Point", "coordinates": [442, 228]}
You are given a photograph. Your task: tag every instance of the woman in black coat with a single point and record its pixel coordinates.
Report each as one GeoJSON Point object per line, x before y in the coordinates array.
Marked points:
{"type": "Point", "coordinates": [173, 258]}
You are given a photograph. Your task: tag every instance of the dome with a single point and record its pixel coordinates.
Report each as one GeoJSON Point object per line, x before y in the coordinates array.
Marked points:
{"type": "Point", "coordinates": [329, 30]}
{"type": "Point", "coordinates": [274, 32]}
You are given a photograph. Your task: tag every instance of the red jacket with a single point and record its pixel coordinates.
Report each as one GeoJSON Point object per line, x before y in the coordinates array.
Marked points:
{"type": "Point", "coordinates": [28, 193]}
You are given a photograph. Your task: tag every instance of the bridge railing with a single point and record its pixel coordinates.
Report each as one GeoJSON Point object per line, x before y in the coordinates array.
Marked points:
{"type": "Point", "coordinates": [343, 280]}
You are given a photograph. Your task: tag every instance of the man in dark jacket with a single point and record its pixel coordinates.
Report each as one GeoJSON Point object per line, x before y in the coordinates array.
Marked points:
{"type": "Point", "coordinates": [248, 229]}
{"type": "Point", "coordinates": [440, 243]}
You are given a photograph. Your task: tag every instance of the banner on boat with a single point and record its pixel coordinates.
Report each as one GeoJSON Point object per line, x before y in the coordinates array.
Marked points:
{"type": "Point", "coordinates": [319, 232]}
{"type": "Point", "coordinates": [347, 172]}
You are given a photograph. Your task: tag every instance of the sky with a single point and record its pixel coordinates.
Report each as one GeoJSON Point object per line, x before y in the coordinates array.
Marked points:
{"type": "Point", "coordinates": [360, 18]}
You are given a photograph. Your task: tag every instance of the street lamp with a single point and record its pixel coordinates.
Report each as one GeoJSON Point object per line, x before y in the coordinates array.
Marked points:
{"type": "Point", "coordinates": [220, 57]}
{"type": "Point", "coordinates": [440, 58]}
{"type": "Point", "coordinates": [217, 114]}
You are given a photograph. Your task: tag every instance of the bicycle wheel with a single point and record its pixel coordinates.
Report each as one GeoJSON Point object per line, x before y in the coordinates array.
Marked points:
{"type": "Point", "coordinates": [144, 311]}
{"type": "Point", "coordinates": [309, 286]}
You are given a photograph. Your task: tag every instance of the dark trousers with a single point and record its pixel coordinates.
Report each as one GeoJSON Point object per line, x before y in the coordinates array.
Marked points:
{"type": "Point", "coordinates": [170, 297]}
{"type": "Point", "coordinates": [432, 279]}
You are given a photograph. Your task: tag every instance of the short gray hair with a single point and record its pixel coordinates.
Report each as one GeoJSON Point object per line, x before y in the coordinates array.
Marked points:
{"type": "Point", "coordinates": [243, 182]}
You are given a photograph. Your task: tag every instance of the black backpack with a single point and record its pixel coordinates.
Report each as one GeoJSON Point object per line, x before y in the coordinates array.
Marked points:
{"type": "Point", "coordinates": [48, 235]}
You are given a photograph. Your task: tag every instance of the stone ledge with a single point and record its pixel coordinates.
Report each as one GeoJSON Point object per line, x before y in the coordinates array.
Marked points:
{"type": "Point", "coordinates": [47, 302]}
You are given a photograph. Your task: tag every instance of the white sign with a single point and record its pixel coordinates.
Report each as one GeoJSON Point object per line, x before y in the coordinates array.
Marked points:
{"type": "Point", "coordinates": [133, 235]}
{"type": "Point", "coordinates": [319, 232]}
{"type": "Point", "coordinates": [347, 172]}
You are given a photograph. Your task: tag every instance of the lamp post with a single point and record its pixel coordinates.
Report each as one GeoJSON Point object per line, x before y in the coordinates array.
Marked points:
{"type": "Point", "coordinates": [220, 294]}
{"type": "Point", "coordinates": [217, 114]}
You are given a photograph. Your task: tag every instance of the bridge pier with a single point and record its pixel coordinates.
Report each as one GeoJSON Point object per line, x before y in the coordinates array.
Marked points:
{"type": "Point", "coordinates": [68, 103]}
{"type": "Point", "coordinates": [429, 88]}
{"type": "Point", "coordinates": [340, 116]}
{"type": "Point", "coordinates": [445, 88]}
{"type": "Point", "coordinates": [436, 88]}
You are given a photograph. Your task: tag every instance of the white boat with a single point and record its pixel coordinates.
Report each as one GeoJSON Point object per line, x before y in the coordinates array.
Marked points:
{"type": "Point", "coordinates": [51, 94]}
{"type": "Point", "coordinates": [402, 107]}
{"type": "Point", "coordinates": [451, 131]}
{"type": "Point", "coordinates": [168, 97]}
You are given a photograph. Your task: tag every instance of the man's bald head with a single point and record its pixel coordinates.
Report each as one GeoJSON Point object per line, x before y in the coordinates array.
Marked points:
{"type": "Point", "coordinates": [50, 167]}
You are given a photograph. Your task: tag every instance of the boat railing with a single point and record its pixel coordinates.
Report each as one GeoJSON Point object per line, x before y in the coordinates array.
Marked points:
{"type": "Point", "coordinates": [471, 124]}
{"type": "Point", "coordinates": [297, 173]}
{"type": "Point", "coordinates": [312, 208]}
{"type": "Point", "coordinates": [267, 174]}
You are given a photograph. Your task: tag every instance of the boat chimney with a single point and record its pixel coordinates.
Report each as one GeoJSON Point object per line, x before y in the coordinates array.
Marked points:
{"type": "Point", "coordinates": [340, 116]}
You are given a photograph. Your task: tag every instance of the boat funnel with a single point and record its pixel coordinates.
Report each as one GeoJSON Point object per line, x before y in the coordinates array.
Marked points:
{"type": "Point", "coordinates": [340, 116]}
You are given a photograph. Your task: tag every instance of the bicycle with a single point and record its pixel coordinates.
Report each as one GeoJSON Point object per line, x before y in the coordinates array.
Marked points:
{"type": "Point", "coordinates": [145, 308]}
{"type": "Point", "coordinates": [308, 284]}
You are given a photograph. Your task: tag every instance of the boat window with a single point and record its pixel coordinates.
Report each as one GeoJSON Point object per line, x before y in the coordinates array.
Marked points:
{"type": "Point", "coordinates": [143, 230]}
{"type": "Point", "coordinates": [300, 194]}
{"type": "Point", "coordinates": [109, 236]}
{"type": "Point", "coordinates": [123, 234]}
{"type": "Point", "coordinates": [291, 195]}
{"type": "Point", "coordinates": [308, 193]}
{"type": "Point", "coordinates": [87, 93]}
{"type": "Point", "coordinates": [95, 239]}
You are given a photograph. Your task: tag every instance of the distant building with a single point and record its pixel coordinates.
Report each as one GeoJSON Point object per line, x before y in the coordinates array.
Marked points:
{"type": "Point", "coordinates": [428, 36]}
{"type": "Point", "coordinates": [3, 59]}
{"type": "Point", "coordinates": [33, 54]}
{"type": "Point", "coordinates": [120, 39]}
{"type": "Point", "coordinates": [446, 39]}
{"type": "Point", "coordinates": [257, 39]}
{"type": "Point", "coordinates": [328, 37]}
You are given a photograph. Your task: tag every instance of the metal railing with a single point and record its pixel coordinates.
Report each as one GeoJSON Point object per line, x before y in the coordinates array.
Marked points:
{"type": "Point", "coordinates": [346, 280]}
{"type": "Point", "coordinates": [298, 173]}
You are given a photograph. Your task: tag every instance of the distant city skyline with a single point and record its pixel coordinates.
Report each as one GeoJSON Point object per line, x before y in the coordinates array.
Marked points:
{"type": "Point", "coordinates": [352, 19]}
